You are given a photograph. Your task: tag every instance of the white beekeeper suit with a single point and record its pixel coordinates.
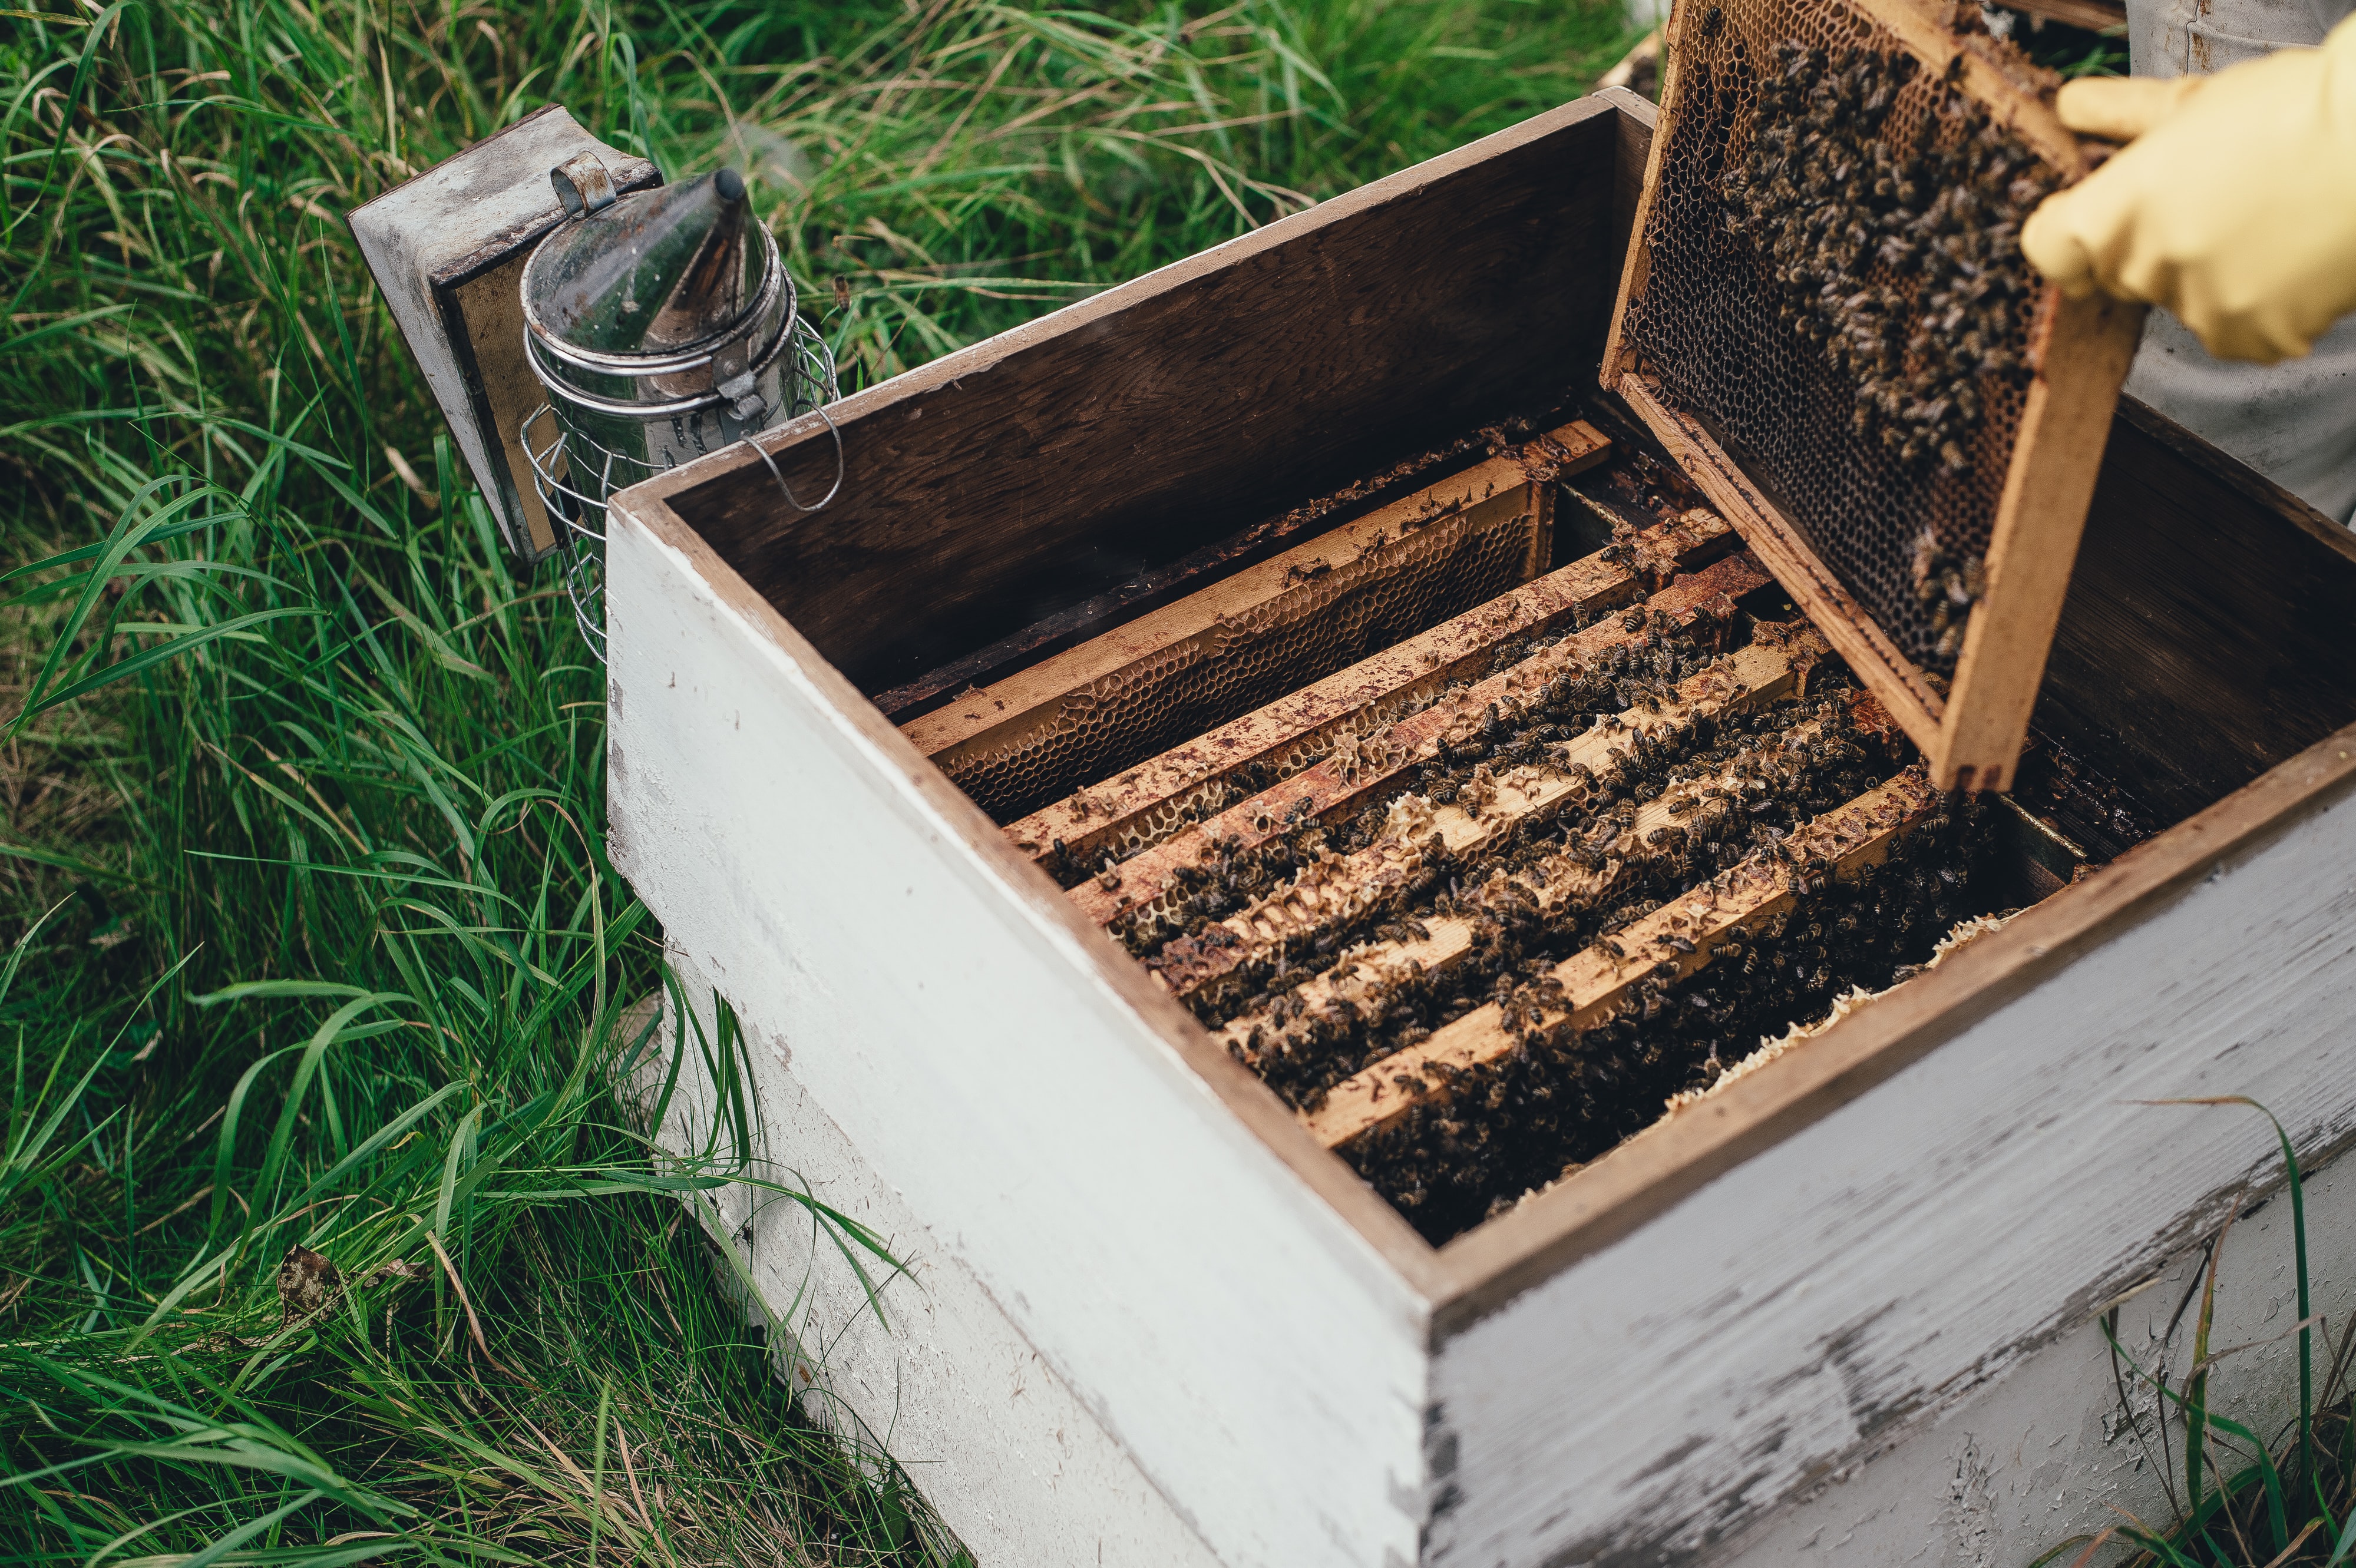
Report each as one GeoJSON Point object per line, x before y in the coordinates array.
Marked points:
{"type": "Point", "coordinates": [2294, 422]}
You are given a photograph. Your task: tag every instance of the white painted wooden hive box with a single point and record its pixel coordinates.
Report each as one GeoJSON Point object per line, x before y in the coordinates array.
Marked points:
{"type": "Point", "coordinates": [1270, 538]}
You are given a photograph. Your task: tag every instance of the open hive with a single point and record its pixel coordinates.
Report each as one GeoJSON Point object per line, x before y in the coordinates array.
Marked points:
{"type": "Point", "coordinates": [1480, 865]}
{"type": "Point", "coordinates": [1152, 1315]}
{"type": "Point", "coordinates": [1826, 315]}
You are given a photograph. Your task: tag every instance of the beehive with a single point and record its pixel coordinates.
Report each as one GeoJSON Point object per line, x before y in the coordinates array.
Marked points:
{"type": "Point", "coordinates": [1152, 1316]}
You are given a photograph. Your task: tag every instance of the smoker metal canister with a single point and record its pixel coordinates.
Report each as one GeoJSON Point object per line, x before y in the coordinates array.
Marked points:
{"type": "Point", "coordinates": [662, 326]}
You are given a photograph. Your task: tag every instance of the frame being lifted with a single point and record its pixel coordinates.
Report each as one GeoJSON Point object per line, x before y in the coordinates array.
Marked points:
{"type": "Point", "coordinates": [1971, 731]}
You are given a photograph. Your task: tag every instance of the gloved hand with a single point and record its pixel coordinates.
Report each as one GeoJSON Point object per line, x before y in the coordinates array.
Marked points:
{"type": "Point", "coordinates": [2234, 207]}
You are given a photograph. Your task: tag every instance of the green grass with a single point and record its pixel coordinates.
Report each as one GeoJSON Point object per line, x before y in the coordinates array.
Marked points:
{"type": "Point", "coordinates": [2239, 1499]}
{"type": "Point", "coordinates": [315, 940]}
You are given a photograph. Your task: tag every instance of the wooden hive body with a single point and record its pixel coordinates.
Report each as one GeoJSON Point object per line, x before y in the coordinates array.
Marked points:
{"type": "Point", "coordinates": [1150, 1317]}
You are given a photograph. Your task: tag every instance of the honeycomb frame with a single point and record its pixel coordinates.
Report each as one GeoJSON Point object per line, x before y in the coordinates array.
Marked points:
{"type": "Point", "coordinates": [1970, 728]}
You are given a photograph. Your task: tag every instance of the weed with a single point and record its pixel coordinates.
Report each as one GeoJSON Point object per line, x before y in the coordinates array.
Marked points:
{"type": "Point", "coordinates": [2238, 1503]}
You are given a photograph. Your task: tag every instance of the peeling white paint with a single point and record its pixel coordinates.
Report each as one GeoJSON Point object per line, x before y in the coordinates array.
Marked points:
{"type": "Point", "coordinates": [1866, 1344]}
{"type": "Point", "coordinates": [1841, 1291]}
{"type": "Point", "coordinates": [1247, 1348]}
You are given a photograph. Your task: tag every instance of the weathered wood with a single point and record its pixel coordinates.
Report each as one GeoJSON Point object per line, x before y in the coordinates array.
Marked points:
{"type": "Point", "coordinates": [732, 735]}
{"type": "Point", "coordinates": [2082, 358]}
{"type": "Point", "coordinates": [2205, 636]}
{"type": "Point", "coordinates": [1556, 885]}
{"type": "Point", "coordinates": [447, 248]}
{"type": "Point", "coordinates": [1636, 263]}
{"type": "Point", "coordinates": [1243, 640]}
{"type": "Point", "coordinates": [1219, 390]}
{"type": "Point", "coordinates": [1160, 797]}
{"type": "Point", "coordinates": [1765, 1292]}
{"type": "Point", "coordinates": [1340, 784]}
{"type": "Point", "coordinates": [1596, 982]}
{"type": "Point", "coordinates": [1342, 890]}
{"type": "Point", "coordinates": [487, 315]}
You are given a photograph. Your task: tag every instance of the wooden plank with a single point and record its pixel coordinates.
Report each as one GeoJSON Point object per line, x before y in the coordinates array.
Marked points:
{"type": "Point", "coordinates": [1669, 944]}
{"type": "Point", "coordinates": [446, 247]}
{"type": "Point", "coordinates": [1337, 786]}
{"type": "Point", "coordinates": [2082, 358]}
{"type": "Point", "coordinates": [927, 1353]}
{"type": "Point", "coordinates": [1555, 885]}
{"type": "Point", "coordinates": [489, 306]}
{"type": "Point", "coordinates": [1219, 390]}
{"type": "Point", "coordinates": [1782, 549]}
{"type": "Point", "coordinates": [909, 965]}
{"type": "Point", "coordinates": [2204, 639]}
{"type": "Point", "coordinates": [1160, 797]}
{"type": "Point", "coordinates": [1620, 361]}
{"type": "Point", "coordinates": [1121, 698]}
{"type": "Point", "coordinates": [1334, 894]}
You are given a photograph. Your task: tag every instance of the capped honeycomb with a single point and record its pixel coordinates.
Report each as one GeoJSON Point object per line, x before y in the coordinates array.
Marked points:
{"type": "Point", "coordinates": [1833, 283]}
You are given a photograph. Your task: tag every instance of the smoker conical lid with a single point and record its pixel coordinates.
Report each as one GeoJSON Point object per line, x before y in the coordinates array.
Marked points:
{"type": "Point", "coordinates": [653, 273]}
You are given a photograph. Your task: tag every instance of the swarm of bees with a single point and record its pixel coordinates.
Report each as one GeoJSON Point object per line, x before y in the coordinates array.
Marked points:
{"type": "Point", "coordinates": [1946, 588]}
{"type": "Point", "coordinates": [1673, 809]}
{"type": "Point", "coordinates": [1799, 759]}
{"type": "Point", "coordinates": [1566, 1097]}
{"type": "Point", "coordinates": [1711, 794]}
{"type": "Point", "coordinates": [1900, 255]}
{"type": "Point", "coordinates": [1631, 673]}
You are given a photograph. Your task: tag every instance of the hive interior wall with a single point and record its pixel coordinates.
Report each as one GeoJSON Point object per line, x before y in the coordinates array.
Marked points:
{"type": "Point", "coordinates": [2205, 636]}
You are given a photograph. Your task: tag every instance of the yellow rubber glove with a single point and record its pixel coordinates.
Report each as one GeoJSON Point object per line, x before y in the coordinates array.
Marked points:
{"type": "Point", "coordinates": [2234, 207]}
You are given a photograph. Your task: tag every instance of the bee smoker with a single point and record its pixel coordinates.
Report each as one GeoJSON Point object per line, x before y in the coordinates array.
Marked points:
{"type": "Point", "coordinates": [661, 327]}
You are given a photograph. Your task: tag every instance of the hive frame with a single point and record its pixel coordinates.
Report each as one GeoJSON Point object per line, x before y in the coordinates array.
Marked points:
{"type": "Point", "coordinates": [1972, 734]}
